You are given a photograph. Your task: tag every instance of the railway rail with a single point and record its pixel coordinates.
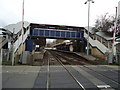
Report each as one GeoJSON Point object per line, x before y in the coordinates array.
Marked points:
{"type": "Point", "coordinates": [72, 61]}
{"type": "Point", "coordinates": [85, 62]}
{"type": "Point", "coordinates": [100, 74]}
{"type": "Point", "coordinates": [68, 64]}
{"type": "Point", "coordinates": [59, 60]}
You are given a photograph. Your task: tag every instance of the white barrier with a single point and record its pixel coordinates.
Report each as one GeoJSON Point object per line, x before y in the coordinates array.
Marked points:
{"type": "Point", "coordinates": [20, 41]}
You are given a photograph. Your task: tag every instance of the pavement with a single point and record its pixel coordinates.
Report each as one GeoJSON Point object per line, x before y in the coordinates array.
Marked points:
{"type": "Point", "coordinates": [90, 76]}
{"type": "Point", "coordinates": [19, 76]}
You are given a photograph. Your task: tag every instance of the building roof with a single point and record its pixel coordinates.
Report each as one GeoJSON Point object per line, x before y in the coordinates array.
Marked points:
{"type": "Point", "coordinates": [104, 35]}
{"type": "Point", "coordinates": [57, 27]}
{"type": "Point", "coordinates": [16, 27]}
{"type": "Point", "coordinates": [90, 30]}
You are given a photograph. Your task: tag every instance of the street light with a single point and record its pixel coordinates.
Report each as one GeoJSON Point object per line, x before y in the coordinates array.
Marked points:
{"type": "Point", "coordinates": [88, 1]}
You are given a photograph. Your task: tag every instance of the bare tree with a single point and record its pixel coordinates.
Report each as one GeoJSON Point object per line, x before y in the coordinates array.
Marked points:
{"type": "Point", "coordinates": [105, 24]}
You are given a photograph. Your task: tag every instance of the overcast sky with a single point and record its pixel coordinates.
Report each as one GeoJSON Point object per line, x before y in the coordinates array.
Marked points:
{"type": "Point", "coordinates": [58, 12]}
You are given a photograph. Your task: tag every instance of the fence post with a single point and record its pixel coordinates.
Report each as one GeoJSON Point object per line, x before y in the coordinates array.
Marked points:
{"type": "Point", "coordinates": [0, 68]}
{"type": "Point", "coordinates": [12, 56]}
{"type": "Point", "coordinates": [1, 56]}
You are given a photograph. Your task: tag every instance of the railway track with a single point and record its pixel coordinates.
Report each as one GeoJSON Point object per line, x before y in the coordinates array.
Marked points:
{"type": "Point", "coordinates": [67, 70]}
{"type": "Point", "coordinates": [74, 59]}
{"type": "Point", "coordinates": [67, 64]}
{"type": "Point", "coordinates": [85, 62]}
{"type": "Point", "coordinates": [76, 62]}
{"type": "Point", "coordinates": [100, 74]}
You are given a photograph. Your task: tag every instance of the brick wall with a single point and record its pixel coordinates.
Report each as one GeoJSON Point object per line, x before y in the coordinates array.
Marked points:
{"type": "Point", "coordinates": [96, 52]}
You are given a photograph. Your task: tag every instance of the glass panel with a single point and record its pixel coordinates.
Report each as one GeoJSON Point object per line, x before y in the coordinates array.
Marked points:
{"type": "Point", "coordinates": [57, 33]}
{"type": "Point", "coordinates": [35, 32]}
{"type": "Point", "coordinates": [67, 34]}
{"type": "Point", "coordinates": [78, 34]}
{"type": "Point", "coordinates": [52, 33]}
{"type": "Point", "coordinates": [62, 33]}
{"type": "Point", "coordinates": [73, 34]}
{"type": "Point", "coordinates": [41, 32]}
{"type": "Point", "coordinates": [46, 32]}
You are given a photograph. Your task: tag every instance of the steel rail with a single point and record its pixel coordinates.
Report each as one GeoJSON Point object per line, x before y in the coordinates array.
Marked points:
{"type": "Point", "coordinates": [59, 60]}
{"type": "Point", "coordinates": [48, 75]}
{"type": "Point", "coordinates": [103, 75]}
{"type": "Point", "coordinates": [73, 61]}
{"type": "Point", "coordinates": [77, 60]}
{"type": "Point", "coordinates": [112, 80]}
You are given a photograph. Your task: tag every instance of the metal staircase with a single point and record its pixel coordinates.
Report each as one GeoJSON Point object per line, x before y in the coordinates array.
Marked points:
{"type": "Point", "coordinates": [97, 44]}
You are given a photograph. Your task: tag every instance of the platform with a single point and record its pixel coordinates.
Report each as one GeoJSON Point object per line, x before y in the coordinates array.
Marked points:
{"type": "Point", "coordinates": [88, 57]}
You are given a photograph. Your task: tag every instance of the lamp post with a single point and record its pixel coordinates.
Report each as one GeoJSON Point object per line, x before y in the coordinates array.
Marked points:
{"type": "Point", "coordinates": [88, 1]}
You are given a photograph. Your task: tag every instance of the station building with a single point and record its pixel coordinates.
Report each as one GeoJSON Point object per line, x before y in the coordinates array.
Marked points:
{"type": "Point", "coordinates": [33, 37]}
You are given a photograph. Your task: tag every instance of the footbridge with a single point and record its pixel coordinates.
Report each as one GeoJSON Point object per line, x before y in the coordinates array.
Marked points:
{"type": "Point", "coordinates": [36, 34]}
{"type": "Point", "coordinates": [56, 31]}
